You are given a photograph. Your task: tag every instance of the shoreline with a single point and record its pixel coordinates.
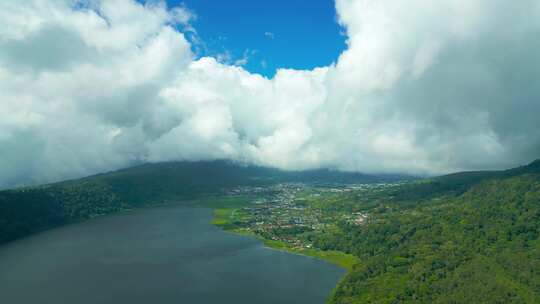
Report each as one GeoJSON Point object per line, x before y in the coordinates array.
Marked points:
{"type": "Point", "coordinates": [338, 258]}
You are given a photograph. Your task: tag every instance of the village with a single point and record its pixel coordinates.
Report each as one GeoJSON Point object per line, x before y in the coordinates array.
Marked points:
{"type": "Point", "coordinates": [291, 212]}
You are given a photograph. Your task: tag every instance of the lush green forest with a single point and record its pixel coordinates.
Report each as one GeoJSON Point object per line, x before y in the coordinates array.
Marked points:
{"type": "Point", "coordinates": [29, 210]}
{"type": "Point", "coordinates": [465, 245]}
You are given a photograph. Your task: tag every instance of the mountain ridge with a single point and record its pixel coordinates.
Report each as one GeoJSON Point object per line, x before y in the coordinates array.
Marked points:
{"type": "Point", "coordinates": [27, 210]}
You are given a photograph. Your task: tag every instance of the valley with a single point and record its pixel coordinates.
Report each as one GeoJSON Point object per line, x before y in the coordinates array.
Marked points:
{"type": "Point", "coordinates": [437, 240]}
{"type": "Point", "coordinates": [459, 231]}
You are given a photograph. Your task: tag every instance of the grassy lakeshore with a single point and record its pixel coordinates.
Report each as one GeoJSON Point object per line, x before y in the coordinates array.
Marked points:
{"type": "Point", "coordinates": [344, 260]}
{"type": "Point", "coordinates": [224, 209]}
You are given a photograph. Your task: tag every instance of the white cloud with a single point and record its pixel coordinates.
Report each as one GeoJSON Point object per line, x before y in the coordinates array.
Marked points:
{"type": "Point", "coordinates": [269, 35]}
{"type": "Point", "coordinates": [182, 15]}
{"type": "Point", "coordinates": [424, 87]}
{"type": "Point", "coordinates": [246, 56]}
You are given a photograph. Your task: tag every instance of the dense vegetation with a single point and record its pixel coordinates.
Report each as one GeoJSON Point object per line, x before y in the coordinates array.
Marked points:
{"type": "Point", "coordinates": [475, 245]}
{"type": "Point", "coordinates": [29, 210]}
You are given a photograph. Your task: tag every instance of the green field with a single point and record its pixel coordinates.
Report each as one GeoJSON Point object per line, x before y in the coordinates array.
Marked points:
{"type": "Point", "coordinates": [222, 217]}
{"type": "Point", "coordinates": [223, 208]}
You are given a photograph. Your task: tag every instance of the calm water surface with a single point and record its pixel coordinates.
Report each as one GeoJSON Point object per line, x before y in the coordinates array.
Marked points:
{"type": "Point", "coordinates": [161, 255]}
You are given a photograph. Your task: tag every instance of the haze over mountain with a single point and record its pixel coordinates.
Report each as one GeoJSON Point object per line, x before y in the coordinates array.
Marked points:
{"type": "Point", "coordinates": [27, 210]}
{"type": "Point", "coordinates": [423, 87]}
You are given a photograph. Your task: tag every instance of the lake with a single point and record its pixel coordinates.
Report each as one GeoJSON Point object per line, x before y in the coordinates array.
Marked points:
{"type": "Point", "coordinates": [159, 255]}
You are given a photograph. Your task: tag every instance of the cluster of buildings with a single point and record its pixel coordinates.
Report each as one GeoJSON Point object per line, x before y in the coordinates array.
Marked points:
{"type": "Point", "coordinates": [285, 212]}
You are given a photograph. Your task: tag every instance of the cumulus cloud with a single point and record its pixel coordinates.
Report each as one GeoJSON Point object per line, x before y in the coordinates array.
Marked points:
{"type": "Point", "coordinates": [423, 87]}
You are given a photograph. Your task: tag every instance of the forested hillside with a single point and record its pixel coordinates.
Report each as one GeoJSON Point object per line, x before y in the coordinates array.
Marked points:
{"type": "Point", "coordinates": [474, 245]}
{"type": "Point", "coordinates": [29, 210]}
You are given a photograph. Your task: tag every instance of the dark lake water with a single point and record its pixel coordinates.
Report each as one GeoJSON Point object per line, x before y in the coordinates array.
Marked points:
{"type": "Point", "coordinates": [161, 255]}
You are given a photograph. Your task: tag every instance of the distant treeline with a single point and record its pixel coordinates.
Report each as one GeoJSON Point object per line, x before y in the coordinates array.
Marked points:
{"type": "Point", "coordinates": [28, 210]}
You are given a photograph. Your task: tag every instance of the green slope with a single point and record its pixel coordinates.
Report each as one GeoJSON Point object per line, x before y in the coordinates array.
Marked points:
{"type": "Point", "coordinates": [458, 183]}
{"type": "Point", "coordinates": [481, 246]}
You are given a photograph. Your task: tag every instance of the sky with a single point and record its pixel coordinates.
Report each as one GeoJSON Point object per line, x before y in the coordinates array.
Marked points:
{"type": "Point", "coordinates": [376, 86]}
{"type": "Point", "coordinates": [263, 36]}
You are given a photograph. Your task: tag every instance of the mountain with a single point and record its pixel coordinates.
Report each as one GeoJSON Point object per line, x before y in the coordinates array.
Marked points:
{"type": "Point", "coordinates": [482, 246]}
{"type": "Point", "coordinates": [470, 237]}
{"type": "Point", "coordinates": [158, 181]}
{"type": "Point", "coordinates": [27, 210]}
{"type": "Point", "coordinates": [458, 183]}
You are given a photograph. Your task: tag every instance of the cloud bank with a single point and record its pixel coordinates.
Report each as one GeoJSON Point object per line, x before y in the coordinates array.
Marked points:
{"type": "Point", "coordinates": [424, 87]}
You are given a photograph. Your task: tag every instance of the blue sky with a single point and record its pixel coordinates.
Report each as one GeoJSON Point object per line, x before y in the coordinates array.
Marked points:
{"type": "Point", "coordinates": [298, 34]}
